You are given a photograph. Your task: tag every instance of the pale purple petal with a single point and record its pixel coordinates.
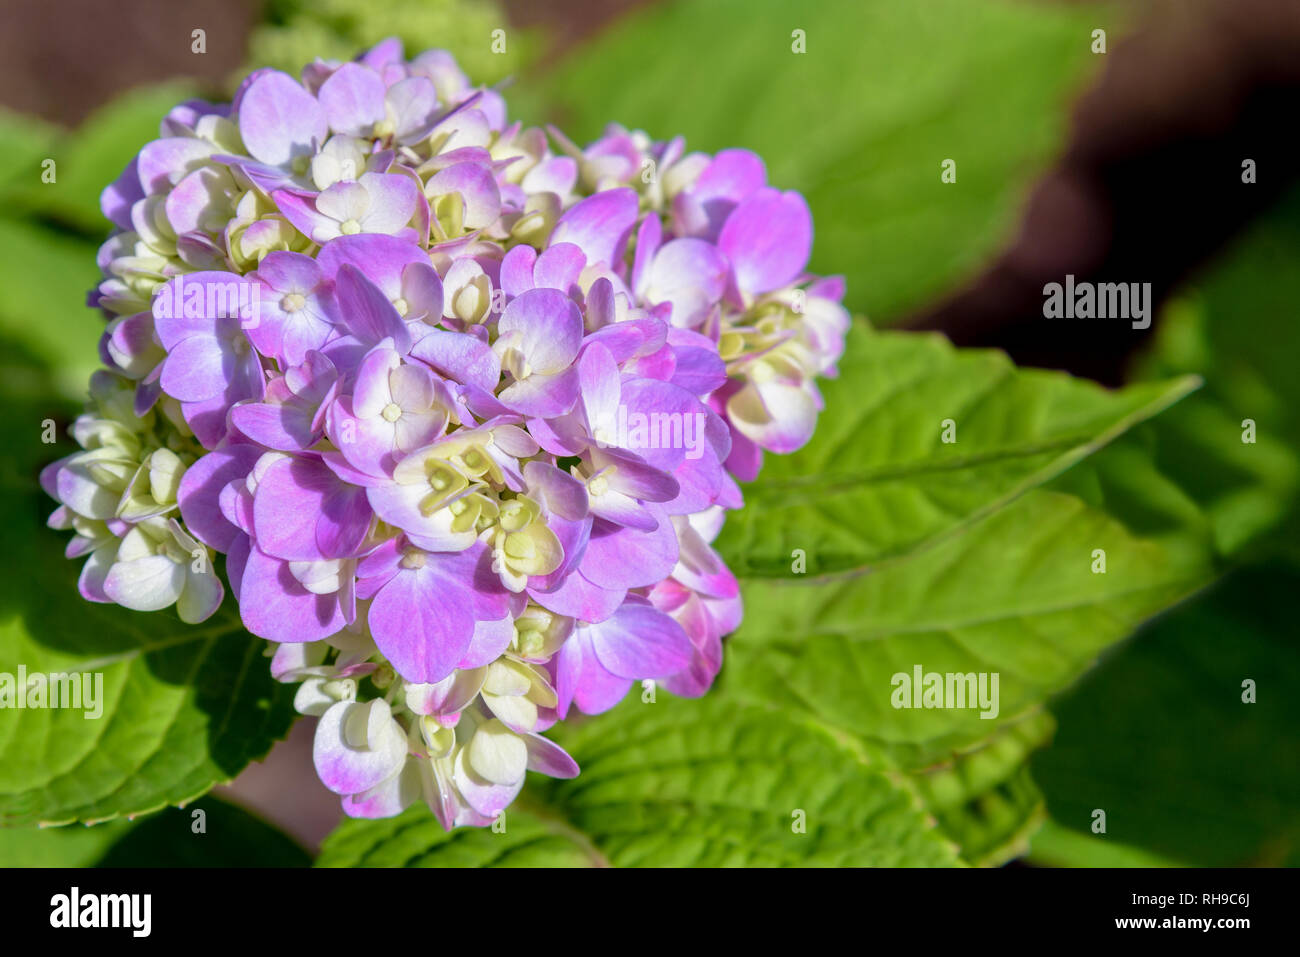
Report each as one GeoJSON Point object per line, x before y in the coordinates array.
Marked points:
{"type": "Point", "coordinates": [517, 270]}
{"type": "Point", "coordinates": [274, 605]}
{"type": "Point", "coordinates": [462, 358]}
{"type": "Point", "coordinates": [767, 239]}
{"type": "Point", "coordinates": [559, 266]}
{"type": "Point", "coordinates": [639, 642]}
{"type": "Point", "coordinates": [543, 395]}
{"type": "Point", "coordinates": [550, 326]}
{"type": "Point", "coordinates": [393, 200]}
{"type": "Point", "coordinates": [380, 258]}
{"type": "Point", "coordinates": [414, 103]}
{"type": "Point", "coordinates": [200, 490]}
{"type": "Point", "coordinates": [367, 312]}
{"type": "Point", "coordinates": [197, 368]}
{"type": "Point", "coordinates": [619, 557]}
{"type": "Point", "coordinates": [164, 163]}
{"type": "Point", "coordinates": [599, 225]}
{"type": "Point", "coordinates": [279, 120]}
{"type": "Point", "coordinates": [423, 624]}
{"type": "Point", "coordinates": [579, 598]}
{"type": "Point", "coordinates": [477, 188]}
{"type": "Point", "coordinates": [353, 99]}
{"type": "Point", "coordinates": [691, 275]}
{"type": "Point", "coordinates": [490, 641]}
{"type": "Point", "coordinates": [558, 490]}
{"type": "Point", "coordinates": [303, 512]}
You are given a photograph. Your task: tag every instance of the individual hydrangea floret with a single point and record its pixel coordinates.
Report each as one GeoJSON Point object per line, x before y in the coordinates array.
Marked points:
{"type": "Point", "coordinates": [460, 404]}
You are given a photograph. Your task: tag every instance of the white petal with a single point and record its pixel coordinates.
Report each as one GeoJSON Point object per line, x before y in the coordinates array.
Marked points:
{"type": "Point", "coordinates": [201, 597]}
{"type": "Point", "coordinates": [497, 754]}
{"type": "Point", "coordinates": [311, 698]}
{"type": "Point", "coordinates": [146, 584]}
{"type": "Point", "coordinates": [357, 746]}
{"type": "Point", "coordinates": [515, 711]}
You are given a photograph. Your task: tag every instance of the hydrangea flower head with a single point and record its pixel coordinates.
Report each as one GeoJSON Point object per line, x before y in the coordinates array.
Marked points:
{"type": "Point", "coordinates": [460, 404]}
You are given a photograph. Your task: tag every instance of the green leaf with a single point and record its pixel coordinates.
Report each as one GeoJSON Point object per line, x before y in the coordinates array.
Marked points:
{"type": "Point", "coordinates": [416, 839]}
{"type": "Point", "coordinates": [1187, 480]}
{"type": "Point", "coordinates": [1161, 740]}
{"type": "Point", "coordinates": [877, 482]}
{"type": "Point", "coordinates": [73, 846]}
{"type": "Point", "coordinates": [1188, 774]}
{"type": "Point", "coordinates": [986, 799]}
{"type": "Point", "coordinates": [185, 707]}
{"type": "Point", "coordinates": [861, 122]}
{"type": "Point", "coordinates": [675, 784]}
{"type": "Point", "coordinates": [227, 837]}
{"type": "Point", "coordinates": [1248, 301]}
{"type": "Point", "coordinates": [1014, 595]}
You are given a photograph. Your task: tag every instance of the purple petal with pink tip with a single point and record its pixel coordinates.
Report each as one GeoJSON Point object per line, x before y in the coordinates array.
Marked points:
{"type": "Point", "coordinates": [380, 258]}
{"type": "Point", "coordinates": [547, 757]}
{"type": "Point", "coordinates": [581, 679]}
{"type": "Point", "coordinates": [732, 177]}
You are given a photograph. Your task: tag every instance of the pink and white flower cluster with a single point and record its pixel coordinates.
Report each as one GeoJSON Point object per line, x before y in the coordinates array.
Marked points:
{"type": "Point", "coordinates": [461, 404]}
